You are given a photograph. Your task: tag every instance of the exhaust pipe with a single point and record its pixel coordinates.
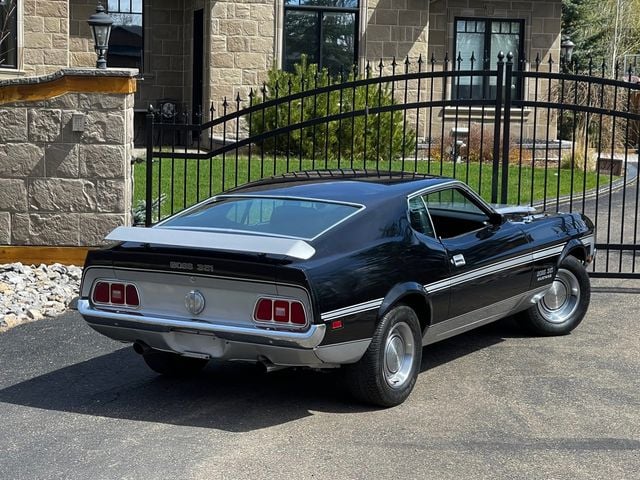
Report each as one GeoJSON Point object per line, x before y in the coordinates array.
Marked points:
{"type": "Point", "coordinates": [141, 348]}
{"type": "Point", "coordinates": [265, 366]}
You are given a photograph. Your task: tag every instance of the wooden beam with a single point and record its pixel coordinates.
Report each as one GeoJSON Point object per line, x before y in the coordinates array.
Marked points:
{"type": "Point", "coordinates": [47, 255]}
{"type": "Point", "coordinates": [66, 84]}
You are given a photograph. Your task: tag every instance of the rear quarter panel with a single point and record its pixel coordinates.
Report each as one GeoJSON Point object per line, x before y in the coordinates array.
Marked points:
{"type": "Point", "coordinates": [362, 262]}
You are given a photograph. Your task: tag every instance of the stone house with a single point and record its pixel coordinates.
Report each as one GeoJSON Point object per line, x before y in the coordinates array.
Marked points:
{"type": "Point", "coordinates": [193, 52]}
{"type": "Point", "coordinates": [67, 130]}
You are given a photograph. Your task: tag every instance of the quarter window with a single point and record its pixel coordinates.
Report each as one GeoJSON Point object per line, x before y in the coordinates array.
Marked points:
{"type": "Point", "coordinates": [126, 44]}
{"type": "Point", "coordinates": [484, 39]}
{"type": "Point", "coordinates": [8, 33]}
{"type": "Point", "coordinates": [419, 217]}
{"type": "Point", "coordinates": [326, 31]}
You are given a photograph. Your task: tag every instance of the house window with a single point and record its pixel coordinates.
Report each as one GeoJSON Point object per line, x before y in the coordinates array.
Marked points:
{"type": "Point", "coordinates": [484, 39]}
{"type": "Point", "coordinates": [326, 31]}
{"type": "Point", "coordinates": [126, 44]}
{"type": "Point", "coordinates": [8, 33]}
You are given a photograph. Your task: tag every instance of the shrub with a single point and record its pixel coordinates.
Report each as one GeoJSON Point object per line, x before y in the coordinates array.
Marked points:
{"type": "Point", "coordinates": [575, 158]}
{"type": "Point", "coordinates": [379, 136]}
{"type": "Point", "coordinates": [479, 147]}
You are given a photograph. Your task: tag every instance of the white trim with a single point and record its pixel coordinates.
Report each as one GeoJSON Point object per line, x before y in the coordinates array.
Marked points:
{"type": "Point", "coordinates": [351, 310]}
{"type": "Point", "coordinates": [452, 281]}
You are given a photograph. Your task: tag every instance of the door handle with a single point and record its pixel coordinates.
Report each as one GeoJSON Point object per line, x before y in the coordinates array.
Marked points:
{"type": "Point", "coordinates": [458, 260]}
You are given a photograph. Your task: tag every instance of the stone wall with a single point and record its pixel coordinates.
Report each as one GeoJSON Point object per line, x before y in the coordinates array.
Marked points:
{"type": "Point", "coordinates": [46, 36]}
{"type": "Point", "coordinates": [81, 48]}
{"type": "Point", "coordinates": [59, 186]}
{"type": "Point", "coordinates": [395, 28]}
{"type": "Point", "coordinates": [243, 46]}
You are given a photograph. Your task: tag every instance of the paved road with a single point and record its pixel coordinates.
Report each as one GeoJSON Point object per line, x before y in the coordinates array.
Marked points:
{"type": "Point", "coordinates": [488, 404]}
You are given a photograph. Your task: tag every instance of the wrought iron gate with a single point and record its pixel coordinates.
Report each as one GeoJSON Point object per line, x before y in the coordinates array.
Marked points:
{"type": "Point", "coordinates": [558, 138]}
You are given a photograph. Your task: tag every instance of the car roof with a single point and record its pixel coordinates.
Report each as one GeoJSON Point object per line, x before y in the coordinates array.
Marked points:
{"type": "Point", "coordinates": [361, 187]}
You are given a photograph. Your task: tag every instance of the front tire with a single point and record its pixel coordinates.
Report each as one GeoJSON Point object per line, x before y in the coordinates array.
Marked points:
{"type": "Point", "coordinates": [172, 364]}
{"type": "Point", "coordinates": [565, 304]}
{"type": "Point", "coordinates": [387, 373]}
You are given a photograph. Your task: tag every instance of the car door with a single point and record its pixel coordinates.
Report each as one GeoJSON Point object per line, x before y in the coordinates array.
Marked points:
{"type": "Point", "coordinates": [490, 260]}
{"type": "Point", "coordinates": [428, 259]}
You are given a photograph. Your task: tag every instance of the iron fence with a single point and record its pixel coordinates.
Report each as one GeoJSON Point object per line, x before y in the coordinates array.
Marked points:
{"type": "Point", "coordinates": [559, 137]}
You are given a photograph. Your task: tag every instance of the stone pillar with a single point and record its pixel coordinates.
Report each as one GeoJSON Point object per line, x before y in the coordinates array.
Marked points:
{"type": "Point", "coordinates": [65, 157]}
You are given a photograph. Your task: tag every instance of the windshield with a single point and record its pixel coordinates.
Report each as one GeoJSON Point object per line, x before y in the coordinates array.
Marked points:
{"type": "Point", "coordinates": [276, 216]}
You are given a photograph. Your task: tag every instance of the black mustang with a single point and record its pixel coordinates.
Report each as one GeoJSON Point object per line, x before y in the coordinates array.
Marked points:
{"type": "Point", "coordinates": [329, 270]}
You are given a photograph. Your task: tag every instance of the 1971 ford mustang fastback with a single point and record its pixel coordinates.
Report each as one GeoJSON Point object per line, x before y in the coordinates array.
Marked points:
{"type": "Point", "coordinates": [326, 270]}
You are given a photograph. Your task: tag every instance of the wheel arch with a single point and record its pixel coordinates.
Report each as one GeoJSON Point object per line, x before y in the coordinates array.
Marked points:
{"type": "Point", "coordinates": [413, 295]}
{"type": "Point", "coordinates": [576, 249]}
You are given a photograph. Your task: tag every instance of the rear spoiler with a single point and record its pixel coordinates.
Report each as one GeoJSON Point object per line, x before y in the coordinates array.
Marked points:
{"type": "Point", "coordinates": [230, 242]}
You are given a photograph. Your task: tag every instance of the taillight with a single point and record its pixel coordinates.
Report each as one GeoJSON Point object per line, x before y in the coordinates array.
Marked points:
{"type": "Point", "coordinates": [116, 293]}
{"type": "Point", "coordinates": [264, 310]}
{"type": "Point", "coordinates": [280, 311]}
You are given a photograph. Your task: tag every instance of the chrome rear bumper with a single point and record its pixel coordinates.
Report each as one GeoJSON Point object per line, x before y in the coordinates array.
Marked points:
{"type": "Point", "coordinates": [310, 338]}
{"type": "Point", "coordinates": [225, 342]}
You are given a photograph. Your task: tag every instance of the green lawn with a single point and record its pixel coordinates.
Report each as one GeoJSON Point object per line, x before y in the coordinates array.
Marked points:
{"type": "Point", "coordinates": [206, 177]}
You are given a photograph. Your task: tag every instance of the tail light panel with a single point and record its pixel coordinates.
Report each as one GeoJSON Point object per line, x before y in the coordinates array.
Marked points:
{"type": "Point", "coordinates": [280, 313]}
{"type": "Point", "coordinates": [113, 293]}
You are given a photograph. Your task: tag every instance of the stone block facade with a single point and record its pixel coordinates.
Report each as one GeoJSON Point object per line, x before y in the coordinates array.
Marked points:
{"type": "Point", "coordinates": [46, 34]}
{"type": "Point", "coordinates": [62, 184]}
{"type": "Point", "coordinates": [396, 28]}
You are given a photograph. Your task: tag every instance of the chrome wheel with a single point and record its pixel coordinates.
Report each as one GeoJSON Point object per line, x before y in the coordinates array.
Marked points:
{"type": "Point", "coordinates": [562, 299]}
{"type": "Point", "coordinates": [399, 355]}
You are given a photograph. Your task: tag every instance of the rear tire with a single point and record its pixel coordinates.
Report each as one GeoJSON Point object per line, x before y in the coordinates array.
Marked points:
{"type": "Point", "coordinates": [565, 304]}
{"type": "Point", "coordinates": [387, 373]}
{"type": "Point", "coordinates": [172, 364]}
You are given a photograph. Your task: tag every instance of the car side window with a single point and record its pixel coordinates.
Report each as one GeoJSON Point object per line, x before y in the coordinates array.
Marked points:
{"type": "Point", "coordinates": [419, 217]}
{"type": "Point", "coordinates": [454, 212]}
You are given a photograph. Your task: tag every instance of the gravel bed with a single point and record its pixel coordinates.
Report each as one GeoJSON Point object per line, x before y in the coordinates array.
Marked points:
{"type": "Point", "coordinates": [30, 293]}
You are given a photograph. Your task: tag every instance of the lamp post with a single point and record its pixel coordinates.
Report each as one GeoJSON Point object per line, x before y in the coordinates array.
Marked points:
{"type": "Point", "coordinates": [100, 24]}
{"type": "Point", "coordinates": [566, 49]}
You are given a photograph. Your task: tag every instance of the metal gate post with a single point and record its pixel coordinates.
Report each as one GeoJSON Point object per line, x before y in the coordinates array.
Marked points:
{"type": "Point", "coordinates": [506, 133]}
{"type": "Point", "coordinates": [496, 130]}
{"type": "Point", "coordinates": [149, 162]}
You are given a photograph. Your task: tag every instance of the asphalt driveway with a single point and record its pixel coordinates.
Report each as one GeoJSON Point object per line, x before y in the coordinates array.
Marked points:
{"type": "Point", "coordinates": [488, 404]}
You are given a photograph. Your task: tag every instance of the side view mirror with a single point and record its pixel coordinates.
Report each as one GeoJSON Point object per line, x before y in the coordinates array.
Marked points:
{"type": "Point", "coordinates": [496, 219]}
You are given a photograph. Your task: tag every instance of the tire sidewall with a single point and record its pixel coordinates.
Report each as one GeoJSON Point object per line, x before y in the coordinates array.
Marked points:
{"type": "Point", "coordinates": [543, 326]}
{"type": "Point", "coordinates": [400, 313]}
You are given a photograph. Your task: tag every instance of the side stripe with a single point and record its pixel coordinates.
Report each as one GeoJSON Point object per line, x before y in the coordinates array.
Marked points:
{"type": "Point", "coordinates": [351, 310]}
{"type": "Point", "coordinates": [452, 281]}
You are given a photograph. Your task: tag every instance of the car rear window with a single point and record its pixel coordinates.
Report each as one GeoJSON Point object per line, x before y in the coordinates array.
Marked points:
{"type": "Point", "coordinates": [276, 216]}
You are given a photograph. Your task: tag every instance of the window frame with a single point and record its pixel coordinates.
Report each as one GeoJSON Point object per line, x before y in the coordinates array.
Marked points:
{"type": "Point", "coordinates": [17, 37]}
{"type": "Point", "coordinates": [320, 10]}
{"type": "Point", "coordinates": [142, 16]}
{"type": "Point", "coordinates": [424, 205]}
{"type": "Point", "coordinates": [465, 190]}
{"type": "Point", "coordinates": [488, 63]}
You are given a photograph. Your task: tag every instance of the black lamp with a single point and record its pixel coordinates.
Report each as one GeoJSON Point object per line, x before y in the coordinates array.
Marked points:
{"type": "Point", "coordinates": [100, 23]}
{"type": "Point", "coordinates": [566, 48]}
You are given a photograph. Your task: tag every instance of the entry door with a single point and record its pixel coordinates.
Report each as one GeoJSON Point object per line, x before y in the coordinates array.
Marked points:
{"type": "Point", "coordinates": [198, 70]}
